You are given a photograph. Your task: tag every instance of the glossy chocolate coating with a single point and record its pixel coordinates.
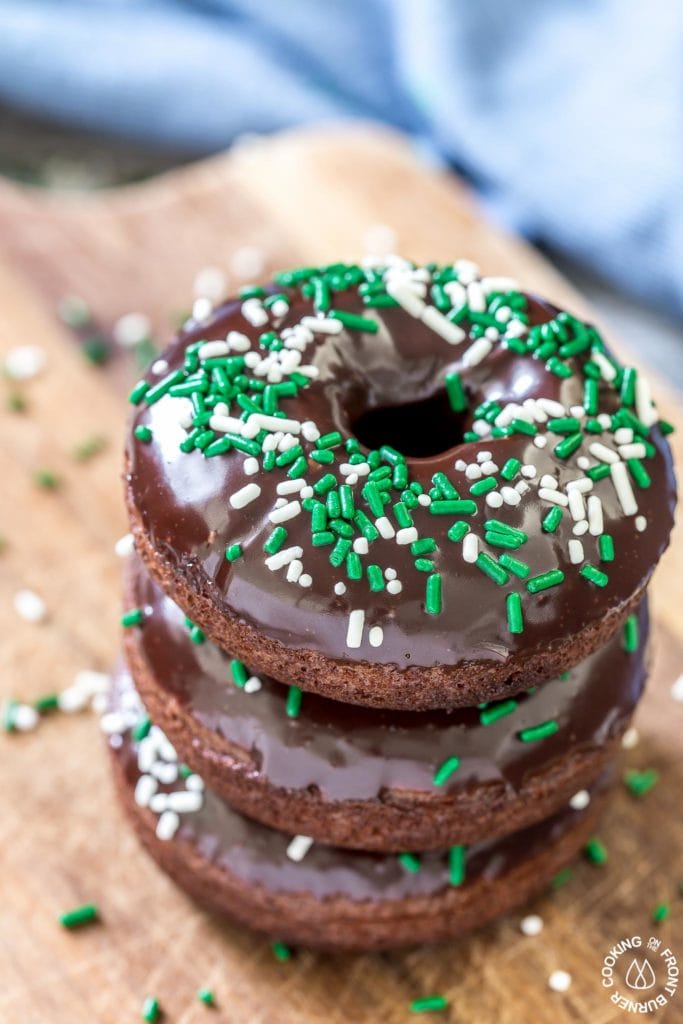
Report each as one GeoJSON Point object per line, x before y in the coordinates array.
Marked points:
{"type": "Point", "coordinates": [257, 855]}
{"type": "Point", "coordinates": [182, 501]}
{"type": "Point", "coordinates": [350, 752]}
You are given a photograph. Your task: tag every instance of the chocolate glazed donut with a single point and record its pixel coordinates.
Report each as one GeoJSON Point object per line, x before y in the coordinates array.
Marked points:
{"type": "Point", "coordinates": [366, 778]}
{"type": "Point", "coordinates": [406, 487]}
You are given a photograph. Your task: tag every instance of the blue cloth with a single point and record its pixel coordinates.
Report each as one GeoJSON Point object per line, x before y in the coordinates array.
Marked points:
{"type": "Point", "coordinates": [567, 116]}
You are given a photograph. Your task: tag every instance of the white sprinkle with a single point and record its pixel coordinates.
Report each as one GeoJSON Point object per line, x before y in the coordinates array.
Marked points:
{"type": "Point", "coordinates": [583, 462]}
{"type": "Point", "coordinates": [492, 333]}
{"type": "Point", "coordinates": [622, 485]}
{"type": "Point", "coordinates": [677, 690]}
{"type": "Point", "coordinates": [72, 699]}
{"type": "Point", "coordinates": [456, 293]}
{"type": "Point", "coordinates": [461, 465]}
{"type": "Point", "coordinates": [470, 547]}
{"type": "Point", "coordinates": [24, 717]}
{"type": "Point", "coordinates": [24, 362]}
{"type": "Point", "coordinates": [540, 441]}
{"type": "Point", "coordinates": [623, 435]}
{"type": "Point", "coordinates": [385, 528]}
{"type": "Point", "coordinates": [306, 492]}
{"type": "Point", "coordinates": [407, 535]}
{"type": "Point", "coordinates": [484, 456]}
{"type": "Point", "coordinates": [361, 545]}
{"type": "Point", "coordinates": [477, 352]}
{"type": "Point", "coordinates": [354, 635]}
{"type": "Point", "coordinates": [555, 497]}
{"type": "Point", "coordinates": [577, 506]}
{"type": "Point", "coordinates": [499, 284]}
{"type": "Point", "coordinates": [322, 324]}
{"type": "Point", "coordinates": [530, 925]}
{"type": "Point", "coordinates": [286, 441]}
{"type": "Point", "coordinates": [548, 481]}
{"type": "Point", "coordinates": [245, 495]}
{"type": "Point", "coordinates": [157, 803]}
{"type": "Point", "coordinates": [435, 319]}
{"type": "Point", "coordinates": [166, 773]}
{"type": "Point", "coordinates": [467, 270]}
{"type": "Point", "coordinates": [145, 788]}
{"type": "Point", "coordinates": [630, 738]}
{"type": "Point", "coordinates": [641, 523]}
{"type": "Point", "coordinates": [305, 580]}
{"type": "Point", "coordinates": [252, 685]}
{"type": "Point", "coordinates": [284, 557]}
{"type": "Point", "coordinates": [201, 309]}
{"type": "Point", "coordinates": [90, 682]}
{"type": "Point", "coordinates": [259, 421]}
{"type": "Point", "coordinates": [580, 800]}
{"type": "Point", "coordinates": [473, 471]}
{"type": "Point", "coordinates": [424, 500]}
{"type": "Point", "coordinates": [394, 587]}
{"type": "Point", "coordinates": [489, 467]}
{"type": "Point", "coordinates": [124, 546]}
{"type": "Point", "coordinates": [607, 370]}
{"type": "Point", "coordinates": [553, 408]}
{"type": "Point", "coordinates": [196, 782]}
{"type": "Point", "coordinates": [580, 528]}
{"type": "Point", "coordinates": [537, 413]}
{"type": "Point", "coordinates": [405, 296]}
{"type": "Point", "coordinates": [494, 499]}
{"type": "Point", "coordinates": [481, 427]}
{"type": "Point", "coordinates": [184, 801]}
{"type": "Point", "coordinates": [632, 451]}
{"type": "Point", "coordinates": [577, 411]}
{"type": "Point", "coordinates": [340, 588]}
{"type": "Point", "coordinates": [605, 420]}
{"type": "Point", "coordinates": [250, 466]}
{"type": "Point", "coordinates": [239, 342]}
{"type": "Point", "coordinates": [30, 606]}
{"type": "Point", "coordinates": [575, 551]}
{"type": "Point", "coordinates": [254, 313]}
{"type": "Point", "coordinates": [294, 570]}
{"type": "Point", "coordinates": [288, 511]}
{"type": "Point", "coordinates": [112, 722]}
{"type": "Point", "coordinates": [290, 486]}
{"type": "Point", "coordinates": [390, 573]}
{"type": "Point", "coordinates": [510, 496]}
{"type": "Point", "coordinates": [583, 484]}
{"type": "Point", "coordinates": [132, 329]}
{"type": "Point", "coordinates": [528, 471]}
{"type": "Point", "coordinates": [213, 349]}
{"type": "Point", "coordinates": [226, 424]}
{"type": "Point", "coordinates": [310, 431]}
{"type": "Point", "coordinates": [522, 487]}
{"type": "Point", "coordinates": [560, 981]}
{"type": "Point", "coordinates": [299, 847]}
{"type": "Point", "coordinates": [645, 409]}
{"type": "Point", "coordinates": [210, 283]}
{"type": "Point", "coordinates": [476, 299]}
{"type": "Point", "coordinates": [376, 636]}
{"type": "Point", "coordinates": [167, 825]}
{"type": "Point", "coordinates": [595, 516]}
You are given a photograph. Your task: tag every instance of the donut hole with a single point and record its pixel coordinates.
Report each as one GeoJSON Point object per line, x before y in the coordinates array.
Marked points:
{"type": "Point", "coordinates": [419, 430]}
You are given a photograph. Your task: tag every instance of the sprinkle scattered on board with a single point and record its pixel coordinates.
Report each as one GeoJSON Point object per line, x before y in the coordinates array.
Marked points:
{"type": "Point", "coordinates": [87, 913]}
{"type": "Point", "coordinates": [428, 1004]}
{"type": "Point", "coordinates": [559, 981]}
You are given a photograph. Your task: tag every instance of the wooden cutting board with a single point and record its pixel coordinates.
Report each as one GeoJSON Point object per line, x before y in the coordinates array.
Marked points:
{"type": "Point", "coordinates": [302, 197]}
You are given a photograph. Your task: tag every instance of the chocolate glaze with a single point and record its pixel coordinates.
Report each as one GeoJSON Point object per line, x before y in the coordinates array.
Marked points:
{"type": "Point", "coordinates": [182, 502]}
{"type": "Point", "coordinates": [350, 752]}
{"type": "Point", "coordinates": [257, 855]}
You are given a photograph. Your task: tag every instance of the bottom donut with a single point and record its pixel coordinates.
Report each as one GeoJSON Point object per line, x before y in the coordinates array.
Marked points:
{"type": "Point", "coordinates": [316, 895]}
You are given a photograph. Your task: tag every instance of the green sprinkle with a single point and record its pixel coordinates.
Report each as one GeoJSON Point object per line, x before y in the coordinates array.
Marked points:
{"type": "Point", "coordinates": [660, 913]}
{"type": "Point", "coordinates": [444, 771]}
{"type": "Point", "coordinates": [85, 914]}
{"type": "Point", "coordinates": [666, 427]}
{"type": "Point", "coordinates": [502, 708]}
{"type": "Point", "coordinates": [519, 569]}
{"type": "Point", "coordinates": [281, 952]}
{"type": "Point", "coordinates": [639, 783]}
{"type": "Point", "coordinates": [511, 469]}
{"type": "Point", "coordinates": [293, 702]}
{"type": "Point", "coordinates": [133, 617]}
{"type": "Point", "coordinates": [141, 728]}
{"type": "Point", "coordinates": [375, 577]}
{"type": "Point", "coordinates": [483, 486]}
{"type": "Point", "coordinates": [428, 1003]}
{"type": "Point", "coordinates": [233, 552]}
{"type": "Point", "coordinates": [568, 445]}
{"type": "Point", "coordinates": [628, 386]}
{"type": "Point", "coordinates": [639, 473]}
{"type": "Point", "coordinates": [491, 568]}
{"type": "Point", "coordinates": [46, 479]}
{"type": "Point", "coordinates": [596, 473]}
{"type": "Point", "coordinates": [545, 580]}
{"type": "Point", "coordinates": [457, 507]}
{"type": "Point", "coordinates": [631, 634]}
{"type": "Point", "coordinates": [425, 546]}
{"type": "Point", "coordinates": [564, 425]}
{"type": "Point", "coordinates": [275, 540]}
{"type": "Point", "coordinates": [185, 771]}
{"type": "Point", "coordinates": [49, 702]}
{"type": "Point", "coordinates": [89, 448]}
{"type": "Point", "coordinates": [458, 531]}
{"type": "Point", "coordinates": [595, 851]}
{"type": "Point", "coordinates": [150, 1010]}
{"type": "Point", "coordinates": [433, 599]}
{"type": "Point", "coordinates": [561, 878]}
{"type": "Point", "coordinates": [206, 996]}
{"type": "Point", "coordinates": [457, 857]}
{"type": "Point", "coordinates": [239, 673]}
{"type": "Point", "coordinates": [355, 322]}
{"type": "Point", "coordinates": [410, 862]}
{"type": "Point", "coordinates": [514, 611]}
{"type": "Point", "coordinates": [197, 635]}
{"type": "Point", "coordinates": [606, 547]}
{"type": "Point", "coordinates": [522, 427]}
{"type": "Point", "coordinates": [456, 392]}
{"type": "Point", "coordinates": [16, 402]}
{"type": "Point", "coordinates": [552, 520]}
{"type": "Point", "coordinates": [538, 732]}
{"type": "Point", "coordinates": [143, 433]}
{"type": "Point", "coordinates": [331, 440]}
{"type": "Point", "coordinates": [325, 483]}
{"type": "Point", "coordinates": [593, 575]}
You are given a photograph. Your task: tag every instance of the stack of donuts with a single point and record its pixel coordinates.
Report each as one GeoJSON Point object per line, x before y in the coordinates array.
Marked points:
{"type": "Point", "coordinates": [386, 621]}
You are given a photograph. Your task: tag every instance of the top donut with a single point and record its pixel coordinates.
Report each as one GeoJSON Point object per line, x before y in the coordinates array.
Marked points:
{"type": "Point", "coordinates": [397, 485]}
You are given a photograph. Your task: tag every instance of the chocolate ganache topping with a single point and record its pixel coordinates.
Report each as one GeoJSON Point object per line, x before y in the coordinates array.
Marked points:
{"type": "Point", "coordinates": [256, 854]}
{"type": "Point", "coordinates": [398, 465]}
{"type": "Point", "coordinates": [349, 752]}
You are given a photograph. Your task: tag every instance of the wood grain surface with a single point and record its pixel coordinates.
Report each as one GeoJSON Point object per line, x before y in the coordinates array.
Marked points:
{"type": "Point", "coordinates": [305, 196]}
